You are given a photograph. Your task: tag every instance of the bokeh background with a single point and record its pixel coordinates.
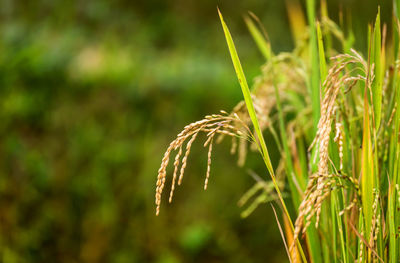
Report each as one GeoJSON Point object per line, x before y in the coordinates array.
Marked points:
{"type": "Point", "coordinates": [91, 94]}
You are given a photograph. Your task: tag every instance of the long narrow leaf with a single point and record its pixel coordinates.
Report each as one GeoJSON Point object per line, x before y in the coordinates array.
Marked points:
{"type": "Point", "coordinates": [250, 107]}
{"type": "Point", "coordinates": [377, 84]}
{"type": "Point", "coordinates": [262, 43]}
{"type": "Point", "coordinates": [367, 170]}
{"type": "Point", "coordinates": [321, 52]}
{"type": "Point", "coordinates": [314, 74]}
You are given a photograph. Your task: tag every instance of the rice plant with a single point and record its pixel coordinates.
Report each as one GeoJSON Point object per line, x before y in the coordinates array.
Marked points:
{"type": "Point", "coordinates": [338, 133]}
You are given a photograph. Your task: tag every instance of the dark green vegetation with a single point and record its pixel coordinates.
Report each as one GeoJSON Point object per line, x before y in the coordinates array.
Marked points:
{"type": "Point", "coordinates": [90, 95]}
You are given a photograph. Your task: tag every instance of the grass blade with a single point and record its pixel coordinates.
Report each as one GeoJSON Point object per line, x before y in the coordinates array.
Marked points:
{"type": "Point", "coordinates": [282, 235]}
{"type": "Point", "coordinates": [314, 75]}
{"type": "Point", "coordinates": [250, 107]}
{"type": "Point", "coordinates": [392, 227]}
{"type": "Point", "coordinates": [367, 170]}
{"type": "Point", "coordinates": [321, 52]}
{"type": "Point", "coordinates": [296, 19]}
{"type": "Point", "coordinates": [246, 94]}
{"type": "Point", "coordinates": [262, 43]}
{"type": "Point", "coordinates": [377, 84]}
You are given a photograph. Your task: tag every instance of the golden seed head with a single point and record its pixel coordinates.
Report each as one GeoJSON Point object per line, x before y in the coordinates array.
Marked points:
{"type": "Point", "coordinates": [211, 125]}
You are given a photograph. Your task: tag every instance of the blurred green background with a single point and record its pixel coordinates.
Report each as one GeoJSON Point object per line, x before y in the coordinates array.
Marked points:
{"type": "Point", "coordinates": [91, 94]}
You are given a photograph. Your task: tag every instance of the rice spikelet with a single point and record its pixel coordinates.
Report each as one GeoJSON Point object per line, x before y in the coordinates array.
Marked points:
{"type": "Point", "coordinates": [208, 164]}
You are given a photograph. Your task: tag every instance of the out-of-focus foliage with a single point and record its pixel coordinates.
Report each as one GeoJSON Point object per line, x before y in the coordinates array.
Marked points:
{"type": "Point", "coordinates": [91, 92]}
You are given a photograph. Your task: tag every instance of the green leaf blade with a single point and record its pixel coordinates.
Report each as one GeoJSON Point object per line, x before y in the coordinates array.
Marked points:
{"type": "Point", "coordinates": [262, 43]}
{"type": "Point", "coordinates": [378, 70]}
{"type": "Point", "coordinates": [250, 107]}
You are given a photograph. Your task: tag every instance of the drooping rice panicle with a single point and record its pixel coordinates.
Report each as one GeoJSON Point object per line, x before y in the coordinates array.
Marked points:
{"type": "Point", "coordinates": [224, 124]}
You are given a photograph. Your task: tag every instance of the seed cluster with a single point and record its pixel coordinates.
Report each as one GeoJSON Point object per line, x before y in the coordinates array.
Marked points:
{"type": "Point", "coordinates": [360, 248]}
{"type": "Point", "coordinates": [319, 186]}
{"type": "Point", "coordinates": [216, 124]}
{"type": "Point", "coordinates": [375, 225]}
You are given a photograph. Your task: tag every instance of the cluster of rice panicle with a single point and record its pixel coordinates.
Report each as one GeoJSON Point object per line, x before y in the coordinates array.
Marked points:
{"type": "Point", "coordinates": [319, 185]}
{"type": "Point", "coordinates": [216, 124]}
